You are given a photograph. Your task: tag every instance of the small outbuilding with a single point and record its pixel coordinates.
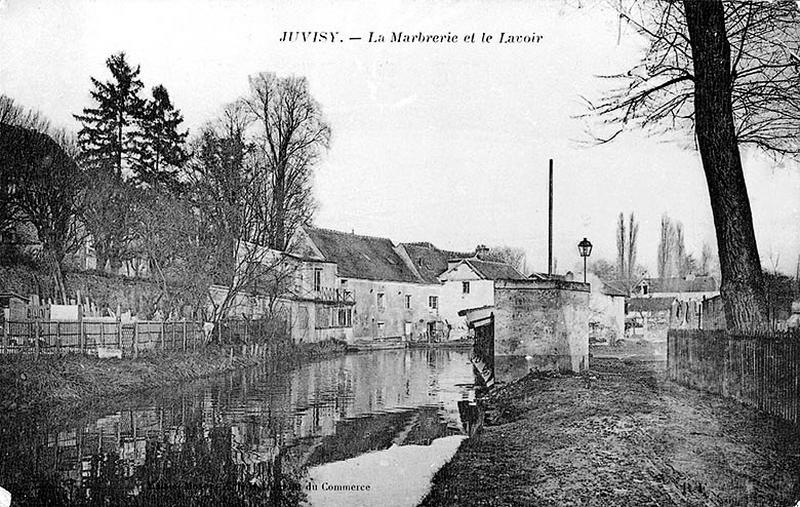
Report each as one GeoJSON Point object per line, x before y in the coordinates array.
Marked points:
{"type": "Point", "coordinates": [14, 307]}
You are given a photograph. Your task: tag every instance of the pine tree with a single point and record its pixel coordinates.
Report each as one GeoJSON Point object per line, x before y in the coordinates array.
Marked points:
{"type": "Point", "coordinates": [159, 149]}
{"type": "Point", "coordinates": [109, 130]}
{"type": "Point", "coordinates": [107, 141]}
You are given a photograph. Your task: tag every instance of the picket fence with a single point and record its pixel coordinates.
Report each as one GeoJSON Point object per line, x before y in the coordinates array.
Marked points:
{"type": "Point", "coordinates": [128, 338]}
{"type": "Point", "coordinates": [761, 370]}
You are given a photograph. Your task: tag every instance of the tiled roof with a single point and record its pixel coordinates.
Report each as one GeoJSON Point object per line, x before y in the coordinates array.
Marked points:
{"type": "Point", "coordinates": [649, 304]}
{"type": "Point", "coordinates": [495, 270]}
{"type": "Point", "coordinates": [696, 284]}
{"type": "Point", "coordinates": [363, 257]}
{"type": "Point", "coordinates": [614, 288]}
{"type": "Point", "coordinates": [430, 261]}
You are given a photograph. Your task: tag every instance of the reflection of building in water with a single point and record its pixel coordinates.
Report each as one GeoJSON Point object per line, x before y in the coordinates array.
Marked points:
{"type": "Point", "coordinates": [236, 428]}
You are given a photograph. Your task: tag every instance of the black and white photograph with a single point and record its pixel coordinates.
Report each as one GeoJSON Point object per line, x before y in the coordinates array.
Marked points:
{"type": "Point", "coordinates": [398, 254]}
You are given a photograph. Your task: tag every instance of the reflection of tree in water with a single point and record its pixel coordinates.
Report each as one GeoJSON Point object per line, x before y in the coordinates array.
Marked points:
{"type": "Point", "coordinates": [201, 471]}
{"type": "Point", "coordinates": [243, 440]}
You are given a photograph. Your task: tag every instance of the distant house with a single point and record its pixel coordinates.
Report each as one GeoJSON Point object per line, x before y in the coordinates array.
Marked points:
{"type": "Point", "coordinates": [391, 298]}
{"type": "Point", "coordinates": [686, 288]}
{"type": "Point", "coordinates": [607, 314]}
{"type": "Point", "coordinates": [648, 317]}
{"type": "Point", "coordinates": [360, 288]}
{"type": "Point", "coordinates": [13, 306]}
{"type": "Point", "coordinates": [468, 284]}
{"type": "Point", "coordinates": [656, 304]}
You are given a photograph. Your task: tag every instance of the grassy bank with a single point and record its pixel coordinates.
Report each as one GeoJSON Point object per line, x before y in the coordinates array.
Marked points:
{"type": "Point", "coordinates": [27, 384]}
{"type": "Point", "coordinates": [622, 435]}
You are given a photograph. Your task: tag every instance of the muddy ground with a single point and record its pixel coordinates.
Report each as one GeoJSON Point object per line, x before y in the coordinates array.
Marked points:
{"type": "Point", "coordinates": [622, 435]}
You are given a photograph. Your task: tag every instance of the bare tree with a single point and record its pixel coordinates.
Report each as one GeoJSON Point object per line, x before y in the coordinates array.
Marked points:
{"type": "Point", "coordinates": [633, 236]}
{"type": "Point", "coordinates": [621, 246]}
{"type": "Point", "coordinates": [227, 187]}
{"type": "Point", "coordinates": [730, 70]}
{"type": "Point", "coordinates": [165, 228]}
{"type": "Point", "coordinates": [110, 216]}
{"type": "Point", "coordinates": [14, 114]}
{"type": "Point", "coordinates": [665, 248]}
{"type": "Point", "coordinates": [291, 134]}
{"type": "Point", "coordinates": [604, 269]}
{"type": "Point", "coordinates": [46, 193]}
{"type": "Point", "coordinates": [627, 271]}
{"type": "Point", "coordinates": [679, 255]}
{"type": "Point", "coordinates": [510, 255]}
{"type": "Point", "coordinates": [706, 259]}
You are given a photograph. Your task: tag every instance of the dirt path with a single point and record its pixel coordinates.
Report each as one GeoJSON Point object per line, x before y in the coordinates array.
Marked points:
{"type": "Point", "coordinates": [621, 436]}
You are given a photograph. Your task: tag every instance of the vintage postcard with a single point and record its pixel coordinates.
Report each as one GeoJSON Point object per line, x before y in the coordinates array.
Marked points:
{"type": "Point", "coordinates": [261, 252]}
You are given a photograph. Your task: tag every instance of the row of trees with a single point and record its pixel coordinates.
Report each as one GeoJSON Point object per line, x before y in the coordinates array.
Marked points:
{"type": "Point", "coordinates": [673, 260]}
{"type": "Point", "coordinates": [194, 211]}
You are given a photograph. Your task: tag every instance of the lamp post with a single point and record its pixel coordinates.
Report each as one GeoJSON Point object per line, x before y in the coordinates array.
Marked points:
{"type": "Point", "coordinates": [585, 250]}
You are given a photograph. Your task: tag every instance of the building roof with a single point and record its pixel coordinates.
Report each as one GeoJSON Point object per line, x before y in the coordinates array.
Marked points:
{"type": "Point", "coordinates": [687, 284]}
{"type": "Point", "coordinates": [13, 295]}
{"type": "Point", "coordinates": [430, 261]}
{"type": "Point", "coordinates": [613, 288]}
{"type": "Point", "coordinates": [364, 257]}
{"type": "Point", "coordinates": [650, 304]}
{"type": "Point", "coordinates": [495, 270]}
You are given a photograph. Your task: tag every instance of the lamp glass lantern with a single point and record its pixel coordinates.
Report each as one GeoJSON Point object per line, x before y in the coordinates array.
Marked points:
{"type": "Point", "coordinates": [585, 250]}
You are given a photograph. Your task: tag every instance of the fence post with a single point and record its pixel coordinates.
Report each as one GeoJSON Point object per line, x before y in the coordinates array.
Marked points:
{"type": "Point", "coordinates": [36, 339]}
{"type": "Point", "coordinates": [184, 335]}
{"type": "Point", "coordinates": [162, 334]}
{"type": "Point", "coordinates": [6, 333]}
{"type": "Point", "coordinates": [135, 345]}
{"type": "Point", "coordinates": [58, 337]}
{"type": "Point", "coordinates": [119, 334]}
{"type": "Point", "coordinates": [81, 337]}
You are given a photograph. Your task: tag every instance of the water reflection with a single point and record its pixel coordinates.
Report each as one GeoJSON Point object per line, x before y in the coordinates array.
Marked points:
{"type": "Point", "coordinates": [246, 439]}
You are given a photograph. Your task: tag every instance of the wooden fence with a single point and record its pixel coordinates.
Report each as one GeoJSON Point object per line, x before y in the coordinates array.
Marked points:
{"type": "Point", "coordinates": [90, 336]}
{"type": "Point", "coordinates": [761, 370]}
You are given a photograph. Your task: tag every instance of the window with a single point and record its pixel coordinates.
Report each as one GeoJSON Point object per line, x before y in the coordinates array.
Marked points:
{"type": "Point", "coordinates": [381, 301]}
{"type": "Point", "coordinates": [302, 317]}
{"type": "Point", "coordinates": [465, 287]}
{"type": "Point", "coordinates": [381, 329]}
{"type": "Point", "coordinates": [433, 302]}
{"type": "Point", "coordinates": [408, 301]}
{"type": "Point", "coordinates": [317, 279]}
{"type": "Point", "coordinates": [345, 317]}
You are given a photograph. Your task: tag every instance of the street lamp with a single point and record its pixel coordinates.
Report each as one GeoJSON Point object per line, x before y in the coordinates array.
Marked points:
{"type": "Point", "coordinates": [585, 249]}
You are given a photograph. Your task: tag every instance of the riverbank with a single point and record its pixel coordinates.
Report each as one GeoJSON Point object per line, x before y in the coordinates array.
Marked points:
{"type": "Point", "coordinates": [622, 435]}
{"type": "Point", "coordinates": [33, 385]}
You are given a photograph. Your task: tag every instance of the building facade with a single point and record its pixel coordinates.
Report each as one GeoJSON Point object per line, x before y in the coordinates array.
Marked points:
{"type": "Point", "coordinates": [470, 283]}
{"type": "Point", "coordinates": [390, 298]}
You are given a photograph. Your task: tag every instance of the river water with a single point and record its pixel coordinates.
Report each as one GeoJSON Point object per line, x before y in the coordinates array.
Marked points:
{"type": "Point", "coordinates": [361, 429]}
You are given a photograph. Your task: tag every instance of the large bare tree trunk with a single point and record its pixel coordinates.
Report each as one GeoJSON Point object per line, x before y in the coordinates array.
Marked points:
{"type": "Point", "coordinates": [742, 282]}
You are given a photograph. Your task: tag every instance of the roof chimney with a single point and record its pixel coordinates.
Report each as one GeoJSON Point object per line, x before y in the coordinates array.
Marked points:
{"type": "Point", "coordinates": [481, 250]}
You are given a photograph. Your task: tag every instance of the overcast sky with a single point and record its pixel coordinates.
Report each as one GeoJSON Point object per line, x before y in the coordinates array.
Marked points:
{"type": "Point", "coordinates": [446, 143]}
